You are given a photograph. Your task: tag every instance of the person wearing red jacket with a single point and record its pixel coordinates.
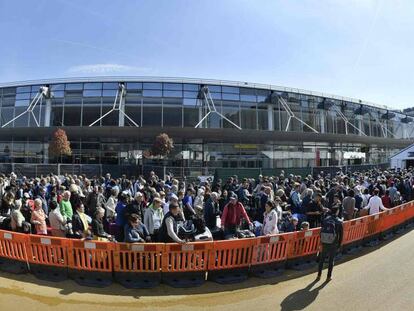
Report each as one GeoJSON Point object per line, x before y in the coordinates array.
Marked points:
{"type": "Point", "coordinates": [386, 199]}
{"type": "Point", "coordinates": [232, 214]}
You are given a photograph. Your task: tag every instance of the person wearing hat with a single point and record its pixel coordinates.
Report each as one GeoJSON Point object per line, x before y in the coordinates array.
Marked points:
{"type": "Point", "coordinates": [331, 239]}
{"type": "Point", "coordinates": [232, 214]}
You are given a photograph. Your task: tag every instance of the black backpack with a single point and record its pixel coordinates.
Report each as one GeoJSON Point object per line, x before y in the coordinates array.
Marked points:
{"type": "Point", "coordinates": [328, 230]}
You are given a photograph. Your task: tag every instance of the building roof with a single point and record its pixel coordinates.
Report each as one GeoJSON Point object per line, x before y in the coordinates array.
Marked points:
{"type": "Point", "coordinates": [192, 80]}
{"type": "Point", "coordinates": [402, 151]}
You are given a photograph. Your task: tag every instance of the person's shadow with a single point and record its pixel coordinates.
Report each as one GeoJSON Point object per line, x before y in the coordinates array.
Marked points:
{"type": "Point", "coordinates": [302, 298]}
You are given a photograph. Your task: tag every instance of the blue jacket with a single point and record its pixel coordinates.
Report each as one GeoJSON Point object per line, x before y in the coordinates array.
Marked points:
{"type": "Point", "coordinates": [134, 235]}
{"type": "Point", "coordinates": [120, 214]}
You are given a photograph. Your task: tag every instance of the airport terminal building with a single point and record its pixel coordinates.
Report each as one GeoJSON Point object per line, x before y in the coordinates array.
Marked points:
{"type": "Point", "coordinates": [214, 124]}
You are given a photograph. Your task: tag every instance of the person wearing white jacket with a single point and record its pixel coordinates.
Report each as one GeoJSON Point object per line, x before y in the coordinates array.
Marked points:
{"type": "Point", "coordinates": [270, 219]}
{"type": "Point", "coordinates": [375, 204]}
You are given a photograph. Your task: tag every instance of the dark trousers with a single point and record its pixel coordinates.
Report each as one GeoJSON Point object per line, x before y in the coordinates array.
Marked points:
{"type": "Point", "coordinates": [155, 236]}
{"type": "Point", "coordinates": [328, 250]}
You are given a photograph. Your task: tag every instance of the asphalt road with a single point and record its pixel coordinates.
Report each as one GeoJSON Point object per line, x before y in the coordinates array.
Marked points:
{"type": "Point", "coordinates": [381, 279]}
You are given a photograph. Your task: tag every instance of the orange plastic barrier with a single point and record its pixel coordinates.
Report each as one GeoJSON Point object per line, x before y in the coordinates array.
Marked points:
{"type": "Point", "coordinates": [270, 255]}
{"type": "Point", "coordinates": [90, 262]}
{"type": "Point", "coordinates": [185, 265]}
{"type": "Point", "coordinates": [354, 230]}
{"type": "Point", "coordinates": [138, 257]}
{"type": "Point", "coordinates": [13, 254]}
{"type": "Point", "coordinates": [138, 265]}
{"type": "Point", "coordinates": [186, 257]}
{"type": "Point", "coordinates": [389, 219]}
{"type": "Point", "coordinates": [48, 257]}
{"type": "Point", "coordinates": [231, 254]}
{"type": "Point", "coordinates": [404, 213]}
{"type": "Point", "coordinates": [304, 243]}
{"type": "Point", "coordinates": [230, 260]}
{"type": "Point", "coordinates": [409, 211]}
{"type": "Point", "coordinates": [90, 255]}
{"type": "Point", "coordinates": [269, 249]}
{"type": "Point", "coordinates": [373, 225]}
{"type": "Point", "coordinates": [47, 250]}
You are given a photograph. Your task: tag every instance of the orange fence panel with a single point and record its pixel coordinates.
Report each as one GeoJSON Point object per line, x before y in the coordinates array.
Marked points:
{"type": "Point", "coordinates": [303, 249]}
{"type": "Point", "coordinates": [138, 265]}
{"type": "Point", "coordinates": [304, 243]}
{"type": "Point", "coordinates": [410, 212]}
{"type": "Point", "coordinates": [13, 245]}
{"type": "Point", "coordinates": [269, 249]}
{"type": "Point", "coordinates": [231, 254]}
{"type": "Point", "coordinates": [90, 255]}
{"type": "Point", "coordinates": [354, 230]}
{"type": "Point", "coordinates": [389, 219]}
{"type": "Point", "coordinates": [230, 260]}
{"type": "Point", "coordinates": [48, 257]}
{"type": "Point", "coordinates": [185, 265]}
{"type": "Point", "coordinates": [186, 257]}
{"type": "Point", "coordinates": [373, 224]}
{"type": "Point", "coordinates": [13, 255]}
{"type": "Point", "coordinates": [90, 262]}
{"type": "Point", "coordinates": [47, 250]}
{"type": "Point", "coordinates": [270, 255]}
{"type": "Point", "coordinates": [138, 257]}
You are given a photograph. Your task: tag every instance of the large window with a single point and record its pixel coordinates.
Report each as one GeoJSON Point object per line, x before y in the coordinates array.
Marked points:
{"type": "Point", "coordinates": [56, 114]}
{"type": "Point", "coordinates": [231, 110]}
{"type": "Point", "coordinates": [91, 111]}
{"type": "Point", "coordinates": [262, 118]}
{"type": "Point", "coordinates": [172, 112]}
{"type": "Point", "coordinates": [249, 116]}
{"type": "Point", "coordinates": [23, 120]}
{"type": "Point", "coordinates": [73, 112]}
{"type": "Point", "coordinates": [111, 119]}
{"type": "Point", "coordinates": [152, 112]}
{"type": "Point", "coordinates": [133, 110]}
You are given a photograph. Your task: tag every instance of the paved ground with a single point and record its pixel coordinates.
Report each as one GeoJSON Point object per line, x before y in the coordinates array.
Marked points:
{"type": "Point", "coordinates": [379, 280]}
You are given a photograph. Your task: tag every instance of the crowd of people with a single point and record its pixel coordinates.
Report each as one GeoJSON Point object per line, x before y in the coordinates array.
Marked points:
{"type": "Point", "coordinates": [171, 210]}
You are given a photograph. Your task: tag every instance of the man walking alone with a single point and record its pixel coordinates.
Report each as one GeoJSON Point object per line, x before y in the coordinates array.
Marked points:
{"type": "Point", "coordinates": [331, 239]}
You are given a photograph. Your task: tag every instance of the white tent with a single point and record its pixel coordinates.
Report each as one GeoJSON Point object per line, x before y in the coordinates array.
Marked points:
{"type": "Point", "coordinates": [404, 158]}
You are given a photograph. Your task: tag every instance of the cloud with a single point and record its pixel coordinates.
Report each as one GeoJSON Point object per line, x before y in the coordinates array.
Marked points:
{"type": "Point", "coordinates": [106, 68]}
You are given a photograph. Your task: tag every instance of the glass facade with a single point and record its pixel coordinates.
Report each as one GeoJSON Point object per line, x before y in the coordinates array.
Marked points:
{"type": "Point", "coordinates": [176, 105]}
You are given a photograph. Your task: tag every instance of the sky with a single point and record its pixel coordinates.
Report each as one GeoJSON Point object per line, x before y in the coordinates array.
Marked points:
{"type": "Point", "coordinates": [362, 49]}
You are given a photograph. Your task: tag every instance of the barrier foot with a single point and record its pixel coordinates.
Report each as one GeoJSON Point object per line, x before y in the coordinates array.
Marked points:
{"type": "Point", "coordinates": [138, 280]}
{"type": "Point", "coordinates": [49, 273]}
{"type": "Point", "coordinates": [228, 276]}
{"type": "Point", "coordinates": [400, 230]}
{"type": "Point", "coordinates": [184, 279]}
{"type": "Point", "coordinates": [372, 243]}
{"type": "Point", "coordinates": [91, 278]}
{"type": "Point", "coordinates": [301, 264]}
{"type": "Point", "coordinates": [266, 271]}
{"type": "Point", "coordinates": [387, 235]}
{"type": "Point", "coordinates": [352, 250]}
{"type": "Point", "coordinates": [13, 266]}
{"type": "Point", "coordinates": [409, 225]}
